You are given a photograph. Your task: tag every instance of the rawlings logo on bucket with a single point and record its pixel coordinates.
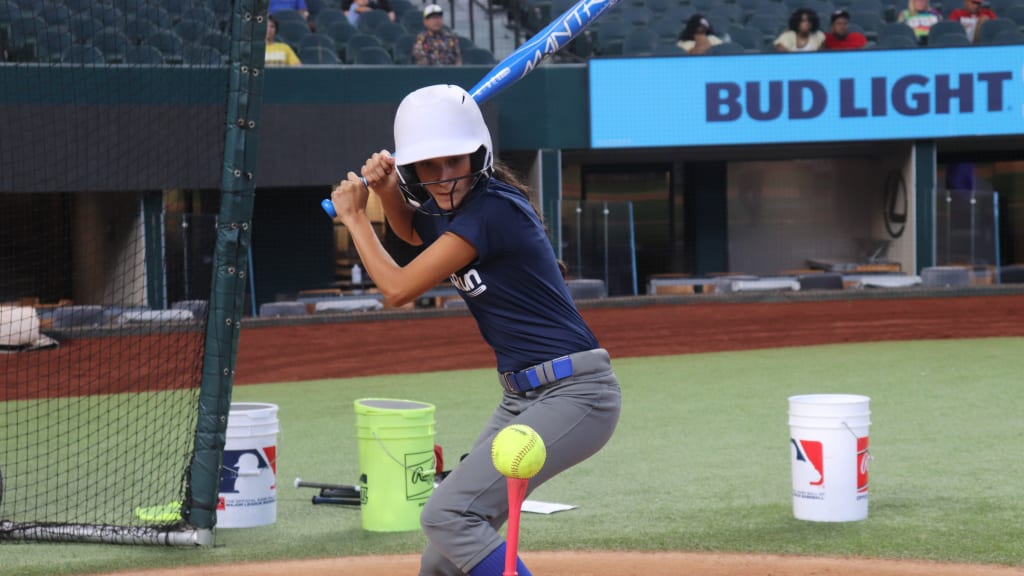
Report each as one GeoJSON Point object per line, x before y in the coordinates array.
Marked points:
{"type": "Point", "coordinates": [862, 465]}
{"type": "Point", "coordinates": [419, 476]}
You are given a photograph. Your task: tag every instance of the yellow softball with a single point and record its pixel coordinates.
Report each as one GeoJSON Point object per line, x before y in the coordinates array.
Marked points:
{"type": "Point", "coordinates": [518, 451]}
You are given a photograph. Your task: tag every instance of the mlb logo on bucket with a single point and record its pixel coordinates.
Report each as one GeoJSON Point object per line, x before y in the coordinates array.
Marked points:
{"type": "Point", "coordinates": [810, 462]}
{"type": "Point", "coordinates": [251, 465]}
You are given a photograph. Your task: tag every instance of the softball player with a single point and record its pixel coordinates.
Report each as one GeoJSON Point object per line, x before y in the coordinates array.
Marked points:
{"type": "Point", "coordinates": [442, 189]}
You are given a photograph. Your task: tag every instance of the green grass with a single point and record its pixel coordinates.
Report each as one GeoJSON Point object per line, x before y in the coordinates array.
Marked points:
{"type": "Point", "coordinates": [700, 461]}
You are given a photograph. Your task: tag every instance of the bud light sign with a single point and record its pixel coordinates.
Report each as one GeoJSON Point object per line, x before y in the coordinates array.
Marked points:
{"type": "Point", "coordinates": [781, 98]}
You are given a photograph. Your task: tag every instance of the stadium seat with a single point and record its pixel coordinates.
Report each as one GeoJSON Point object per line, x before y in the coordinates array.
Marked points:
{"type": "Point", "coordinates": [1015, 13]}
{"type": "Point", "coordinates": [722, 16]}
{"type": "Point", "coordinates": [401, 51]}
{"type": "Point", "coordinates": [749, 38]}
{"type": "Point", "coordinates": [586, 288]}
{"type": "Point", "coordinates": [368, 21]}
{"type": "Point", "coordinates": [944, 27]}
{"type": "Point", "coordinates": [200, 55]}
{"type": "Point", "coordinates": [639, 41]}
{"type": "Point", "coordinates": [177, 8]}
{"type": "Point", "coordinates": [609, 30]}
{"type": "Point", "coordinates": [217, 40]}
{"type": "Point", "coordinates": [670, 48]}
{"type": "Point", "coordinates": [402, 6]}
{"type": "Point", "coordinates": [169, 45]}
{"type": "Point", "coordinates": [826, 281]}
{"type": "Point", "coordinates": [946, 40]}
{"type": "Point", "coordinates": [665, 29]}
{"type": "Point", "coordinates": [129, 7]}
{"type": "Point", "coordinates": [993, 28]}
{"type": "Point", "coordinates": [896, 42]}
{"type": "Point", "coordinates": [726, 48]}
{"type": "Point", "coordinates": [890, 32]}
{"type": "Point", "coordinates": [1008, 37]}
{"type": "Point", "coordinates": [637, 15]}
{"type": "Point", "coordinates": [478, 56]}
{"type": "Point", "coordinates": [77, 316]}
{"type": "Point", "coordinates": [155, 14]}
{"type": "Point", "coordinates": [138, 29]}
{"type": "Point", "coordinates": [412, 20]}
{"type": "Point", "coordinates": [147, 55]}
{"type": "Point", "coordinates": [340, 32]}
{"type": "Point", "coordinates": [79, 54]}
{"type": "Point", "coordinates": [199, 308]}
{"type": "Point", "coordinates": [9, 11]}
{"type": "Point", "coordinates": [277, 309]}
{"type": "Point", "coordinates": [373, 56]}
{"type": "Point", "coordinates": [871, 22]}
{"type": "Point", "coordinates": [1012, 274]}
{"type": "Point", "coordinates": [358, 42]}
{"type": "Point", "coordinates": [328, 17]}
{"type": "Point", "coordinates": [767, 24]}
{"type": "Point", "coordinates": [24, 32]}
{"type": "Point", "coordinates": [659, 6]}
{"type": "Point", "coordinates": [106, 15]}
{"type": "Point", "coordinates": [283, 16]}
{"type": "Point", "coordinates": [83, 28]}
{"type": "Point", "coordinates": [52, 44]}
{"type": "Point", "coordinates": [79, 6]}
{"type": "Point", "coordinates": [320, 41]}
{"type": "Point", "coordinates": [112, 43]}
{"type": "Point", "coordinates": [191, 31]}
{"type": "Point", "coordinates": [465, 43]}
{"type": "Point", "coordinates": [315, 7]}
{"type": "Point", "coordinates": [318, 55]}
{"type": "Point", "coordinates": [388, 32]}
{"type": "Point", "coordinates": [55, 14]}
{"type": "Point", "coordinates": [945, 276]}
{"type": "Point", "coordinates": [291, 32]}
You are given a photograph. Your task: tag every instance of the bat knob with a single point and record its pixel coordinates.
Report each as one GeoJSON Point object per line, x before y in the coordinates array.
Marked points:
{"type": "Point", "coordinates": [328, 207]}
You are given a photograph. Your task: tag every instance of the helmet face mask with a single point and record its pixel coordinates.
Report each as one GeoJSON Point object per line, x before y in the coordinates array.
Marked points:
{"type": "Point", "coordinates": [436, 122]}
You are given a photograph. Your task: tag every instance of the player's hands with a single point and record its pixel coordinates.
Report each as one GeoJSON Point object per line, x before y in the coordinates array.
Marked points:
{"type": "Point", "coordinates": [349, 198]}
{"type": "Point", "coordinates": [379, 171]}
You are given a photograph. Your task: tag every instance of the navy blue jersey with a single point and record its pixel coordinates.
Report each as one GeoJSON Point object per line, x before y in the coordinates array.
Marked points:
{"type": "Point", "coordinates": [514, 289]}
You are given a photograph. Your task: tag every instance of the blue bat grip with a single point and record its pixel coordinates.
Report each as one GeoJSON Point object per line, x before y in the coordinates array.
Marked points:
{"type": "Point", "coordinates": [328, 207]}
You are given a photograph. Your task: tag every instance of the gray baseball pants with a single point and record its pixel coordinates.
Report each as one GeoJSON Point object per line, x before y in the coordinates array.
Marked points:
{"type": "Point", "coordinates": [575, 416]}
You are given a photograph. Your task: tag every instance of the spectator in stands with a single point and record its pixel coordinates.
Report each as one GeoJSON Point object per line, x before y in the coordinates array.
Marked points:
{"type": "Point", "coordinates": [355, 8]}
{"type": "Point", "coordinates": [920, 16]}
{"type": "Point", "coordinates": [803, 33]}
{"type": "Point", "coordinates": [362, 6]}
{"type": "Point", "coordinates": [839, 36]}
{"type": "Point", "coordinates": [698, 36]}
{"type": "Point", "coordinates": [436, 45]}
{"type": "Point", "coordinates": [278, 53]}
{"type": "Point", "coordinates": [972, 17]}
{"type": "Point", "coordinates": [297, 5]}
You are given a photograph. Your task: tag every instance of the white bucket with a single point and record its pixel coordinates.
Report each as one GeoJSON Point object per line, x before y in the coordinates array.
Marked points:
{"type": "Point", "coordinates": [829, 455]}
{"type": "Point", "coordinates": [248, 475]}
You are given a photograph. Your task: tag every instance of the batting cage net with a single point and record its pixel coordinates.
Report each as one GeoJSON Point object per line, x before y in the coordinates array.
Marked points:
{"type": "Point", "coordinates": [111, 161]}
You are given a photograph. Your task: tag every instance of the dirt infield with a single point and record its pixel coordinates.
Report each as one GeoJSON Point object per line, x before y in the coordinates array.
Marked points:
{"type": "Point", "coordinates": [617, 563]}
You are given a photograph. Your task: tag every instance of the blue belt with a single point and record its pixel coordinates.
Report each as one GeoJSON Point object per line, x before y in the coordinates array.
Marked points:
{"type": "Point", "coordinates": [537, 376]}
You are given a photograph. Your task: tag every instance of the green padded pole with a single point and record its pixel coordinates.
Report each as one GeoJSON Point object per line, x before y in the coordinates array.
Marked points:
{"type": "Point", "coordinates": [234, 230]}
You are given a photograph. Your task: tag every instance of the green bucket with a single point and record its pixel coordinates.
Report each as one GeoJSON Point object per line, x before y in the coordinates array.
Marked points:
{"type": "Point", "coordinates": [396, 462]}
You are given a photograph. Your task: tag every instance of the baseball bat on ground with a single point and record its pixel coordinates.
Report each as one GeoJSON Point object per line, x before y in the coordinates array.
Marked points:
{"type": "Point", "coordinates": [300, 483]}
{"type": "Point", "coordinates": [527, 57]}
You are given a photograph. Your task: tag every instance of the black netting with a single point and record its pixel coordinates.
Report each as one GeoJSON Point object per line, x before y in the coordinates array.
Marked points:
{"type": "Point", "coordinates": [111, 152]}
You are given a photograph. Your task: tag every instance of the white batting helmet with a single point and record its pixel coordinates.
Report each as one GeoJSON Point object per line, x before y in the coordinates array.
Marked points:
{"type": "Point", "coordinates": [435, 122]}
